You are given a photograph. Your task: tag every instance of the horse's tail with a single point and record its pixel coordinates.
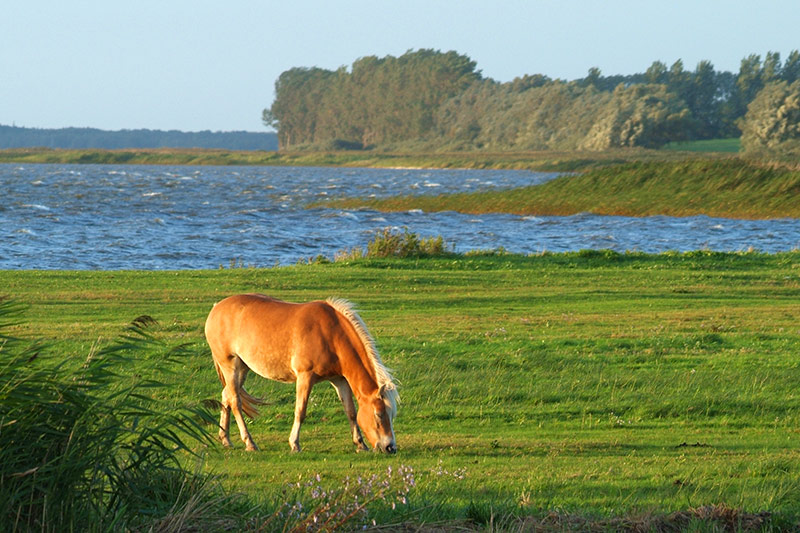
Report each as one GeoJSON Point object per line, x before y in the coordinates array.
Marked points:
{"type": "Point", "coordinates": [219, 373]}
{"type": "Point", "coordinates": [247, 401]}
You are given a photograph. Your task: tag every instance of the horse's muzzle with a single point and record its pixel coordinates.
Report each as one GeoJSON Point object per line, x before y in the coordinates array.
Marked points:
{"type": "Point", "coordinates": [391, 448]}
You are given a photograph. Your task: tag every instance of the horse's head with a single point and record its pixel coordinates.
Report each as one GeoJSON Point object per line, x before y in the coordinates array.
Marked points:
{"type": "Point", "coordinates": [375, 415]}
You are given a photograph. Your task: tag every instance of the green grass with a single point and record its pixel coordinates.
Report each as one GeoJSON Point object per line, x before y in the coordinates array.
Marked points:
{"type": "Point", "coordinates": [730, 146]}
{"type": "Point", "coordinates": [595, 383]}
{"type": "Point", "coordinates": [729, 187]}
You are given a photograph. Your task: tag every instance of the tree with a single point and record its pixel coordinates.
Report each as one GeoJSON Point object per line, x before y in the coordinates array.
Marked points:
{"type": "Point", "coordinates": [656, 73]}
{"type": "Point", "coordinates": [299, 96]}
{"type": "Point", "coordinates": [593, 78]}
{"type": "Point", "coordinates": [748, 83]}
{"type": "Point", "coordinates": [640, 115]}
{"type": "Point", "coordinates": [772, 122]}
{"type": "Point", "coordinates": [791, 67]}
{"type": "Point", "coordinates": [379, 101]}
{"type": "Point", "coordinates": [700, 95]}
{"type": "Point", "coordinates": [771, 68]}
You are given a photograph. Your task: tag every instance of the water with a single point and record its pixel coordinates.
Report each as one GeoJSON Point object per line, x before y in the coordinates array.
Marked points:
{"type": "Point", "coordinates": [163, 217]}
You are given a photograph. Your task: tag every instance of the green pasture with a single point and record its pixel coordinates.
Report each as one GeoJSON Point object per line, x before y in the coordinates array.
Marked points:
{"type": "Point", "coordinates": [595, 383]}
{"type": "Point", "coordinates": [731, 146]}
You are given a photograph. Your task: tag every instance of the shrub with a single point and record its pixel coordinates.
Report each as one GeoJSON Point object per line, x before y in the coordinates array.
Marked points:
{"type": "Point", "coordinates": [392, 243]}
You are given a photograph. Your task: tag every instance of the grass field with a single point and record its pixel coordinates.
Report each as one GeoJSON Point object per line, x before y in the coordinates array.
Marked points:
{"type": "Point", "coordinates": [591, 383]}
{"type": "Point", "coordinates": [731, 146]}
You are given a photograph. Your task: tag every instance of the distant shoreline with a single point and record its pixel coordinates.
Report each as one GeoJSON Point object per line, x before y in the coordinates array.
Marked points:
{"type": "Point", "coordinates": [545, 161]}
{"type": "Point", "coordinates": [15, 137]}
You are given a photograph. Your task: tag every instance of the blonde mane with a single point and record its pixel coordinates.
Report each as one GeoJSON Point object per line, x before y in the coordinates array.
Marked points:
{"type": "Point", "coordinates": [383, 375]}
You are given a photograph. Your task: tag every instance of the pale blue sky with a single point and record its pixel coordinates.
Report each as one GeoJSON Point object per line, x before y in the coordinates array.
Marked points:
{"type": "Point", "coordinates": [197, 64]}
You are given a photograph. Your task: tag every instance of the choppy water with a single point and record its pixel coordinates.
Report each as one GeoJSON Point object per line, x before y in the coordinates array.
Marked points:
{"type": "Point", "coordinates": [162, 217]}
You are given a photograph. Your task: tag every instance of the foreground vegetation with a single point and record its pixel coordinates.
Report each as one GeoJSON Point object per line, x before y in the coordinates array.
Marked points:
{"type": "Point", "coordinates": [86, 444]}
{"type": "Point", "coordinates": [613, 389]}
{"type": "Point", "coordinates": [732, 188]}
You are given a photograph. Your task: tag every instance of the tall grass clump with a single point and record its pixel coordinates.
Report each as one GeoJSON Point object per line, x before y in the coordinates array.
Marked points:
{"type": "Point", "coordinates": [86, 447]}
{"type": "Point", "coordinates": [392, 242]}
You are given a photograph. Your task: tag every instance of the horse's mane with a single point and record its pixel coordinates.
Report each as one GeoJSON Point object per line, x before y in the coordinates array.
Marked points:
{"type": "Point", "coordinates": [383, 375]}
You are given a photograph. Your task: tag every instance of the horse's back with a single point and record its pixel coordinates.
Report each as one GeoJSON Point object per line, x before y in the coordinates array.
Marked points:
{"type": "Point", "coordinates": [274, 338]}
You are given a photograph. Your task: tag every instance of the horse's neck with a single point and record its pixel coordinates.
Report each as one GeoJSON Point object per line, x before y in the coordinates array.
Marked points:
{"type": "Point", "coordinates": [355, 371]}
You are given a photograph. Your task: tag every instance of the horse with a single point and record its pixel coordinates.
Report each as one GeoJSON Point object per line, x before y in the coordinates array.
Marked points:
{"type": "Point", "coordinates": [304, 343]}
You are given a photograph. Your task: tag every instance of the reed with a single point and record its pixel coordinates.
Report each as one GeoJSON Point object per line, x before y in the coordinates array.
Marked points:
{"type": "Point", "coordinates": [86, 443]}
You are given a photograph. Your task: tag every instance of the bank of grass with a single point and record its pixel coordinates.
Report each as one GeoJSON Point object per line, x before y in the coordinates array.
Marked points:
{"type": "Point", "coordinates": [728, 187]}
{"type": "Point", "coordinates": [598, 385]}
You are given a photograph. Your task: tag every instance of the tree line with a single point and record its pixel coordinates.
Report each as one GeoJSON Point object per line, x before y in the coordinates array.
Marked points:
{"type": "Point", "coordinates": [434, 100]}
{"type": "Point", "coordinates": [77, 138]}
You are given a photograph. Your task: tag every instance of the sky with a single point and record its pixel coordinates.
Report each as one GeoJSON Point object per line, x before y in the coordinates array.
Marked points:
{"type": "Point", "coordinates": [197, 65]}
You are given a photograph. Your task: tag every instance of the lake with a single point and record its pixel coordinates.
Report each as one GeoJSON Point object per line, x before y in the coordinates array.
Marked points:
{"type": "Point", "coordinates": [112, 217]}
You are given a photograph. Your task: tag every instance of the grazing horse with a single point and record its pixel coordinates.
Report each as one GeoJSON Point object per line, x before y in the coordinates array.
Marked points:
{"type": "Point", "coordinates": [302, 343]}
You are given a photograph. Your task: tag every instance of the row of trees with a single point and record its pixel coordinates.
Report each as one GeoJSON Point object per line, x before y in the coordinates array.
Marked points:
{"type": "Point", "coordinates": [378, 100]}
{"type": "Point", "coordinates": [438, 100]}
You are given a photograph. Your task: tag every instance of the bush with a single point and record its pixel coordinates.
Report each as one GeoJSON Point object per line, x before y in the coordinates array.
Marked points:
{"type": "Point", "coordinates": [392, 243]}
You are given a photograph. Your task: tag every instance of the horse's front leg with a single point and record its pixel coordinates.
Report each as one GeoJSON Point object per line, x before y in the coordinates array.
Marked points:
{"type": "Point", "coordinates": [346, 396]}
{"type": "Point", "coordinates": [304, 383]}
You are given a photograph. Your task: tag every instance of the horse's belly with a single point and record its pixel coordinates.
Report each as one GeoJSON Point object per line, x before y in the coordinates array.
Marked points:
{"type": "Point", "coordinates": [273, 368]}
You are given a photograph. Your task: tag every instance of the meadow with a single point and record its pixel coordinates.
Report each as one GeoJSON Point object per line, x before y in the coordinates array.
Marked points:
{"type": "Point", "coordinates": [552, 390]}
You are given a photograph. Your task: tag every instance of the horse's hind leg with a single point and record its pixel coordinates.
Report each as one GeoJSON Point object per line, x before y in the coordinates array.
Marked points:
{"type": "Point", "coordinates": [225, 421]}
{"type": "Point", "coordinates": [346, 396]}
{"type": "Point", "coordinates": [225, 410]}
{"type": "Point", "coordinates": [234, 372]}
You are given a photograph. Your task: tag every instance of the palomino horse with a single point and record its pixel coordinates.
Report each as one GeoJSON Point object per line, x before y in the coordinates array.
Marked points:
{"type": "Point", "coordinates": [302, 343]}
